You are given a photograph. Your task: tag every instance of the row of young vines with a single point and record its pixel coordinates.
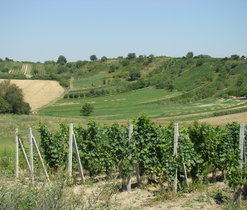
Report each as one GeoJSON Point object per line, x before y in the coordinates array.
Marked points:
{"type": "Point", "coordinates": [202, 148]}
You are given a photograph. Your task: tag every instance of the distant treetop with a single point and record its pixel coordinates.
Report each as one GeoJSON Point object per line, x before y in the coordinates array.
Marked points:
{"type": "Point", "coordinates": [93, 58]}
{"type": "Point", "coordinates": [189, 55]}
{"type": "Point", "coordinates": [61, 60]}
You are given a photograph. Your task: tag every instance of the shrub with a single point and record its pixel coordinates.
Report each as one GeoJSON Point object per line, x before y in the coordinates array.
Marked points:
{"type": "Point", "coordinates": [12, 99]}
{"type": "Point", "coordinates": [86, 109]}
{"type": "Point", "coordinates": [134, 75]}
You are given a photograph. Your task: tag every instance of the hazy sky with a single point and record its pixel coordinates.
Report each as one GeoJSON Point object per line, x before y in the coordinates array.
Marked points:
{"type": "Point", "coordinates": [39, 30]}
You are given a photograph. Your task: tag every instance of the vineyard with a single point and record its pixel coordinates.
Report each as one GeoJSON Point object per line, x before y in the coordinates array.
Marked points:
{"type": "Point", "coordinates": [154, 154]}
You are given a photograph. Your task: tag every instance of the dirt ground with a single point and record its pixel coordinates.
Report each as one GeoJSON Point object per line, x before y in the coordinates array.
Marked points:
{"type": "Point", "coordinates": [39, 93]}
{"type": "Point", "coordinates": [147, 198]}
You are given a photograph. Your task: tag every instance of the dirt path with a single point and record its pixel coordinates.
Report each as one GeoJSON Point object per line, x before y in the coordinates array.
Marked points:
{"type": "Point", "coordinates": [39, 93]}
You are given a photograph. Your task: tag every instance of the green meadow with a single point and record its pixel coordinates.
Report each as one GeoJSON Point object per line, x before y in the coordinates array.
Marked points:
{"type": "Point", "coordinates": [126, 106]}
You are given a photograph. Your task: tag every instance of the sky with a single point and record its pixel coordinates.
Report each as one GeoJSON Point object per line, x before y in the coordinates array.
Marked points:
{"type": "Point", "coordinates": [41, 30]}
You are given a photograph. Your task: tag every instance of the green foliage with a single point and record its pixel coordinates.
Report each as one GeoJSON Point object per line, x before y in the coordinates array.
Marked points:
{"type": "Point", "coordinates": [189, 55]}
{"type": "Point", "coordinates": [124, 62]}
{"type": "Point", "coordinates": [87, 109]}
{"type": "Point", "coordinates": [217, 147]}
{"type": "Point", "coordinates": [131, 56]}
{"type": "Point", "coordinates": [93, 58]}
{"type": "Point", "coordinates": [5, 107]}
{"type": "Point", "coordinates": [134, 75]}
{"type": "Point", "coordinates": [103, 149]}
{"type": "Point", "coordinates": [12, 100]}
{"type": "Point", "coordinates": [61, 60]}
{"type": "Point", "coordinates": [54, 146]}
{"type": "Point", "coordinates": [103, 59]}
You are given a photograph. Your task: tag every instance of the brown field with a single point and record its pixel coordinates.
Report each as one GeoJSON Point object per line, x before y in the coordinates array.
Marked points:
{"type": "Point", "coordinates": [223, 120]}
{"type": "Point", "coordinates": [39, 93]}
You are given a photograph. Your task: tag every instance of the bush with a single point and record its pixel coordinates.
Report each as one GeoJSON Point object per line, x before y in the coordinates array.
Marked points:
{"type": "Point", "coordinates": [86, 109]}
{"type": "Point", "coordinates": [5, 107]}
{"type": "Point", "coordinates": [134, 75]}
{"type": "Point", "coordinates": [12, 99]}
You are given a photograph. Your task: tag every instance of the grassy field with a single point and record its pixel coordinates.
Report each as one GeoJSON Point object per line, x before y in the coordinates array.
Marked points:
{"type": "Point", "coordinates": [89, 82]}
{"type": "Point", "coordinates": [8, 123]}
{"type": "Point", "coordinates": [129, 105]}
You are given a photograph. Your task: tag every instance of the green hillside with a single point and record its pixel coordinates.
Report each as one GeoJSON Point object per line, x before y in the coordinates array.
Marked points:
{"type": "Point", "coordinates": [123, 87]}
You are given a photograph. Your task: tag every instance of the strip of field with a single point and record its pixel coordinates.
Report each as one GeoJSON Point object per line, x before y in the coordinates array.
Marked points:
{"type": "Point", "coordinates": [223, 120]}
{"type": "Point", "coordinates": [39, 93]}
{"type": "Point", "coordinates": [125, 106]}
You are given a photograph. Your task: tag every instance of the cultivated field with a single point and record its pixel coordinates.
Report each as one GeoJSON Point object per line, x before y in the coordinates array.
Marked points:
{"type": "Point", "coordinates": [39, 93]}
{"type": "Point", "coordinates": [126, 106]}
{"type": "Point", "coordinates": [223, 120]}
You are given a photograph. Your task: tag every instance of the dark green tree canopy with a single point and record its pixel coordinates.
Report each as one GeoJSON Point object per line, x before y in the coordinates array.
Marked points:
{"type": "Point", "coordinates": [12, 100]}
{"type": "Point", "coordinates": [104, 58]}
{"type": "Point", "coordinates": [87, 109]}
{"type": "Point", "coordinates": [93, 58]}
{"type": "Point", "coordinates": [131, 56]}
{"type": "Point", "coordinates": [189, 55]}
{"type": "Point", "coordinates": [61, 60]}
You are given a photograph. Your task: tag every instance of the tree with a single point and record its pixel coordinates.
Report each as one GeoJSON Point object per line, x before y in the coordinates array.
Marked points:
{"type": "Point", "coordinates": [104, 58]}
{"type": "Point", "coordinates": [124, 62]}
{"type": "Point", "coordinates": [5, 107]}
{"type": "Point", "coordinates": [131, 56]}
{"type": "Point", "coordinates": [12, 95]}
{"type": "Point", "coordinates": [93, 58]}
{"type": "Point", "coordinates": [61, 60]}
{"type": "Point", "coordinates": [87, 109]}
{"type": "Point", "coordinates": [189, 55]}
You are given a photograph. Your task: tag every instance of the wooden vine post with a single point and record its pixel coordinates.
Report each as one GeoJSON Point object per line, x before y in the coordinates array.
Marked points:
{"type": "Point", "coordinates": [31, 155]}
{"type": "Point", "coordinates": [18, 143]}
{"type": "Point", "coordinates": [32, 141]}
{"type": "Point", "coordinates": [16, 154]}
{"type": "Point", "coordinates": [70, 149]}
{"type": "Point", "coordinates": [128, 185]}
{"type": "Point", "coordinates": [238, 192]}
{"type": "Point", "coordinates": [73, 143]}
{"type": "Point", "coordinates": [241, 145]}
{"type": "Point", "coordinates": [175, 152]}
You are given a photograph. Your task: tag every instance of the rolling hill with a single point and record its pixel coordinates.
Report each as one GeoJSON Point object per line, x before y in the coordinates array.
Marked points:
{"type": "Point", "coordinates": [122, 88]}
